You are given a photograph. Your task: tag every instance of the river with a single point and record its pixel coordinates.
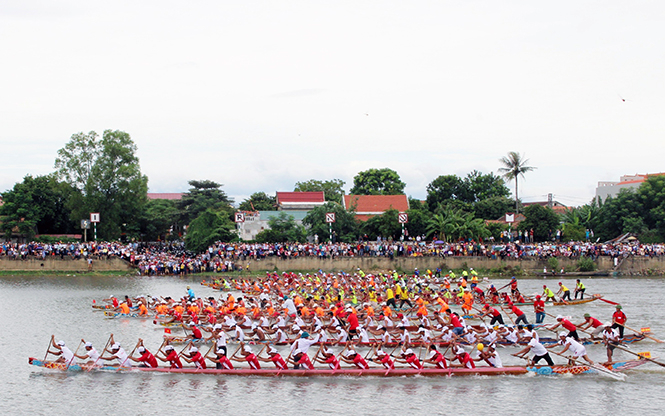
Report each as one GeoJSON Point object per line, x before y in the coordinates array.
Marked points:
{"type": "Point", "coordinates": [36, 307]}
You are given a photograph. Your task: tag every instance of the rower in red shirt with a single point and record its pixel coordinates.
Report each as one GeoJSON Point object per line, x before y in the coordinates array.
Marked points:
{"type": "Point", "coordinates": [146, 359]}
{"type": "Point", "coordinates": [195, 357]}
{"type": "Point", "coordinates": [410, 358]}
{"type": "Point", "coordinates": [328, 357]}
{"type": "Point", "coordinates": [539, 309]}
{"type": "Point", "coordinates": [436, 358]}
{"type": "Point", "coordinates": [352, 357]}
{"type": "Point", "coordinates": [274, 357]}
{"type": "Point", "coordinates": [566, 324]}
{"type": "Point", "coordinates": [591, 322]}
{"type": "Point", "coordinates": [170, 356]}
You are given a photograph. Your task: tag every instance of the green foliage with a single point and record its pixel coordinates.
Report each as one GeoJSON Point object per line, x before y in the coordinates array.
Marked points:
{"type": "Point", "coordinates": [385, 225]}
{"type": "Point", "coordinates": [160, 217]}
{"type": "Point", "coordinates": [377, 182]}
{"type": "Point", "coordinates": [541, 219]}
{"type": "Point", "coordinates": [210, 226]}
{"type": "Point", "coordinates": [259, 201]}
{"type": "Point", "coordinates": [417, 205]}
{"type": "Point", "coordinates": [475, 188]}
{"type": "Point", "coordinates": [345, 225]}
{"type": "Point", "coordinates": [283, 228]}
{"type": "Point", "coordinates": [495, 229]}
{"type": "Point", "coordinates": [108, 175]}
{"type": "Point", "coordinates": [202, 195]}
{"type": "Point", "coordinates": [553, 264]}
{"type": "Point", "coordinates": [453, 225]}
{"type": "Point", "coordinates": [37, 206]}
{"type": "Point", "coordinates": [47, 239]}
{"type": "Point", "coordinates": [514, 166]}
{"type": "Point", "coordinates": [492, 208]}
{"type": "Point", "coordinates": [332, 190]}
{"type": "Point", "coordinates": [418, 220]}
{"type": "Point", "coordinates": [586, 264]}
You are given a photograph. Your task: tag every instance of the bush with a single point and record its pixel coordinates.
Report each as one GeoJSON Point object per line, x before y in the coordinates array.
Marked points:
{"type": "Point", "coordinates": [586, 264]}
{"type": "Point", "coordinates": [553, 264]}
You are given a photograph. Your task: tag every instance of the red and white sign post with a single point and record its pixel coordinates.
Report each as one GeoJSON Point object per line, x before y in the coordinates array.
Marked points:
{"type": "Point", "coordinates": [330, 218]}
{"type": "Point", "coordinates": [403, 218]}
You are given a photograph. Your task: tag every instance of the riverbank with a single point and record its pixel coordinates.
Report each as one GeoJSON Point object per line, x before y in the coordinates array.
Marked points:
{"type": "Point", "coordinates": [631, 266]}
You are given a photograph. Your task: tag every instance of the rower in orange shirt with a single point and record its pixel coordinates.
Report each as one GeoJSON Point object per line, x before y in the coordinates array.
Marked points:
{"type": "Point", "coordinates": [123, 308]}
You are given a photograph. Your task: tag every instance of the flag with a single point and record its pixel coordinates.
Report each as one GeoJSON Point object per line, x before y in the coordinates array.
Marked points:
{"type": "Point", "coordinates": [167, 330]}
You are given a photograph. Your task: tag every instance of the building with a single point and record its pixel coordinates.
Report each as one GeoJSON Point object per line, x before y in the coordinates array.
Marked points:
{"type": "Point", "coordinates": [556, 206]}
{"type": "Point", "coordinates": [606, 188]}
{"type": "Point", "coordinates": [299, 201]}
{"type": "Point", "coordinates": [367, 206]}
{"type": "Point", "coordinates": [177, 196]}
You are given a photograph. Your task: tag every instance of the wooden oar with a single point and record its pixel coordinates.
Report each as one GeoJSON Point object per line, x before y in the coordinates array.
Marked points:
{"type": "Point", "coordinates": [49, 346]}
{"type": "Point", "coordinates": [599, 368]}
{"type": "Point", "coordinates": [103, 351]}
{"type": "Point", "coordinates": [508, 314]}
{"type": "Point", "coordinates": [74, 357]}
{"type": "Point", "coordinates": [609, 301]}
{"type": "Point", "coordinates": [638, 355]}
{"type": "Point", "coordinates": [639, 332]}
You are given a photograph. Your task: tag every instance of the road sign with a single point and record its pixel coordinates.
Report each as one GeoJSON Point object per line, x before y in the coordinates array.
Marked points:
{"type": "Point", "coordinates": [240, 217]}
{"type": "Point", "coordinates": [403, 218]}
{"type": "Point", "coordinates": [94, 217]}
{"type": "Point", "coordinates": [330, 217]}
{"type": "Point", "coordinates": [510, 217]}
{"type": "Point", "coordinates": [85, 224]}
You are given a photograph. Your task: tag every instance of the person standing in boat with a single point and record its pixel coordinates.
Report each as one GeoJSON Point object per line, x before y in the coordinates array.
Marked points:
{"type": "Point", "coordinates": [619, 320]}
{"type": "Point", "coordinates": [579, 289]}
{"type": "Point", "coordinates": [539, 309]}
{"type": "Point", "coordinates": [612, 340]}
{"type": "Point", "coordinates": [591, 322]}
{"type": "Point", "coordinates": [563, 292]}
{"type": "Point", "coordinates": [548, 294]}
{"type": "Point", "coordinates": [496, 315]}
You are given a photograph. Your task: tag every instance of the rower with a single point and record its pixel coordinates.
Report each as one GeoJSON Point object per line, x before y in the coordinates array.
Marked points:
{"type": "Point", "coordinates": [146, 359]}
{"type": "Point", "coordinates": [249, 356]}
{"type": "Point", "coordinates": [578, 350]}
{"type": "Point", "coordinates": [496, 315]}
{"type": "Point", "coordinates": [436, 357]}
{"type": "Point", "coordinates": [170, 356]}
{"type": "Point", "coordinates": [563, 292]}
{"type": "Point", "coordinates": [489, 355]}
{"type": "Point", "coordinates": [328, 357]}
{"type": "Point", "coordinates": [539, 309]}
{"type": "Point", "coordinates": [274, 357]}
{"type": "Point", "coordinates": [117, 353]}
{"type": "Point", "coordinates": [539, 352]}
{"type": "Point", "coordinates": [548, 294]}
{"type": "Point", "coordinates": [383, 358]}
{"type": "Point", "coordinates": [194, 356]}
{"type": "Point", "coordinates": [591, 322]}
{"type": "Point", "coordinates": [221, 361]}
{"type": "Point", "coordinates": [409, 357]}
{"type": "Point", "coordinates": [65, 354]}
{"type": "Point", "coordinates": [91, 353]}
{"type": "Point", "coordinates": [462, 356]}
{"type": "Point", "coordinates": [352, 357]}
{"type": "Point", "coordinates": [566, 324]}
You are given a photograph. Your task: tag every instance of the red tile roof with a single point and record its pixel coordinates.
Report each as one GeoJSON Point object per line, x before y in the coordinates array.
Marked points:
{"type": "Point", "coordinates": [305, 197]}
{"type": "Point", "coordinates": [171, 196]}
{"type": "Point", "coordinates": [367, 206]}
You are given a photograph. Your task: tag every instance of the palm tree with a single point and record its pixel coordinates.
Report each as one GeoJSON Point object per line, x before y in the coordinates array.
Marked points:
{"type": "Point", "coordinates": [514, 166]}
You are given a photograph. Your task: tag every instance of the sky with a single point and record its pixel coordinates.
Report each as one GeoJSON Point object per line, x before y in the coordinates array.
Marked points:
{"type": "Point", "coordinates": [258, 95]}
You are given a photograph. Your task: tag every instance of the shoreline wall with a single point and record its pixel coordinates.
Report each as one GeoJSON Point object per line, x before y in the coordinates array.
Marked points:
{"type": "Point", "coordinates": [631, 265]}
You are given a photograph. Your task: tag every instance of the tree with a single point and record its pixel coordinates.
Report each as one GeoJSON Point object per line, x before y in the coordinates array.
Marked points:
{"type": "Point", "coordinates": [541, 219]}
{"type": "Point", "coordinates": [332, 190]}
{"type": "Point", "coordinates": [259, 201]}
{"type": "Point", "coordinates": [283, 228]}
{"type": "Point", "coordinates": [651, 195]}
{"type": "Point", "coordinates": [108, 175]}
{"type": "Point", "coordinates": [492, 208]}
{"type": "Point", "coordinates": [443, 224]}
{"type": "Point", "coordinates": [479, 187]}
{"type": "Point", "coordinates": [160, 219]}
{"type": "Point", "coordinates": [418, 219]}
{"type": "Point", "coordinates": [345, 226]}
{"type": "Point", "coordinates": [210, 226]}
{"type": "Point", "coordinates": [443, 189]}
{"type": "Point", "coordinates": [385, 225]}
{"type": "Point", "coordinates": [377, 182]}
{"type": "Point", "coordinates": [514, 167]}
{"type": "Point", "coordinates": [37, 206]}
{"type": "Point", "coordinates": [202, 195]}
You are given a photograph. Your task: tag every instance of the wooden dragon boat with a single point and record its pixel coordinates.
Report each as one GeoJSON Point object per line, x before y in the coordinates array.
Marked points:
{"type": "Point", "coordinates": [352, 372]}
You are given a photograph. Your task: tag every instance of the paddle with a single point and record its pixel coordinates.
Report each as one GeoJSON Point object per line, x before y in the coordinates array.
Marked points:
{"type": "Point", "coordinates": [599, 368]}
{"type": "Point", "coordinates": [639, 332]}
{"type": "Point", "coordinates": [609, 301]}
{"type": "Point", "coordinates": [74, 357]}
{"type": "Point", "coordinates": [51, 341]}
{"type": "Point", "coordinates": [508, 314]}
{"type": "Point", "coordinates": [100, 355]}
{"type": "Point", "coordinates": [641, 356]}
